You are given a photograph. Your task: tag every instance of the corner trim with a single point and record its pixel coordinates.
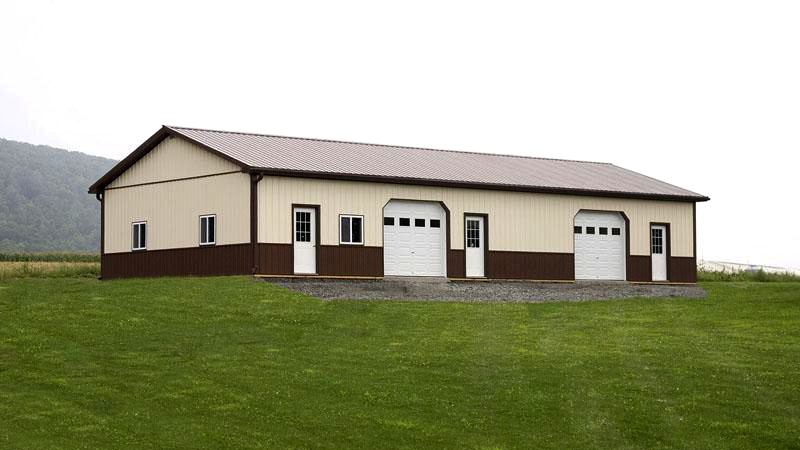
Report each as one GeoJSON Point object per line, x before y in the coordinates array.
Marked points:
{"type": "Point", "coordinates": [101, 197]}
{"type": "Point", "coordinates": [254, 262]}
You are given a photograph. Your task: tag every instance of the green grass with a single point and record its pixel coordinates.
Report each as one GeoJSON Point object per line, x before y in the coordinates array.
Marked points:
{"type": "Point", "coordinates": [759, 276]}
{"type": "Point", "coordinates": [233, 363]}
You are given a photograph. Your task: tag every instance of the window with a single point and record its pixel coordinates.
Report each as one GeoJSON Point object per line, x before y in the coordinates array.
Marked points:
{"type": "Point", "coordinates": [350, 229]}
{"type": "Point", "coordinates": [656, 241]}
{"type": "Point", "coordinates": [302, 226]}
{"type": "Point", "coordinates": [589, 230]}
{"type": "Point", "coordinates": [577, 230]}
{"type": "Point", "coordinates": [388, 221]}
{"type": "Point", "coordinates": [473, 234]}
{"type": "Point", "coordinates": [419, 222]}
{"type": "Point", "coordinates": [405, 221]}
{"type": "Point", "coordinates": [139, 235]}
{"type": "Point", "coordinates": [435, 223]}
{"type": "Point", "coordinates": [615, 231]}
{"type": "Point", "coordinates": [208, 229]}
{"type": "Point", "coordinates": [603, 230]}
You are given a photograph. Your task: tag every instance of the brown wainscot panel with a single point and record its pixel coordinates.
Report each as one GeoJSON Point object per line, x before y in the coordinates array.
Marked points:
{"type": "Point", "coordinates": [350, 261]}
{"type": "Point", "coordinates": [455, 264]}
{"type": "Point", "coordinates": [639, 268]}
{"type": "Point", "coordinates": [682, 269]}
{"type": "Point", "coordinates": [530, 265]}
{"type": "Point", "coordinates": [275, 259]}
{"type": "Point", "coordinates": [199, 261]}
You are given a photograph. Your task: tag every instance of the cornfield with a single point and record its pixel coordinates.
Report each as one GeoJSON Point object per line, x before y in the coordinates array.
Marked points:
{"type": "Point", "coordinates": [48, 269]}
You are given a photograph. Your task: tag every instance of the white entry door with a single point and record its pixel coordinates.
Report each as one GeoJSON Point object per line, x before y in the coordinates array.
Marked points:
{"type": "Point", "coordinates": [414, 241]}
{"type": "Point", "coordinates": [305, 241]}
{"type": "Point", "coordinates": [599, 245]}
{"type": "Point", "coordinates": [658, 252]}
{"type": "Point", "coordinates": [475, 242]}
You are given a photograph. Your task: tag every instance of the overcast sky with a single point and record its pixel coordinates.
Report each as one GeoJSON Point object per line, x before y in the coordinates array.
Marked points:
{"type": "Point", "coordinates": [704, 95]}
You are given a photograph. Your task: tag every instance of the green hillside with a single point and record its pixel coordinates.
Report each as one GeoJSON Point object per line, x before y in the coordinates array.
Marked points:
{"type": "Point", "coordinates": [44, 206]}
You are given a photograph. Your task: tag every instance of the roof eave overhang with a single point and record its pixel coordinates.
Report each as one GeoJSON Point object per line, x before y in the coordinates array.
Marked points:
{"type": "Point", "coordinates": [144, 149]}
{"type": "Point", "coordinates": [166, 131]}
{"type": "Point", "coordinates": [473, 185]}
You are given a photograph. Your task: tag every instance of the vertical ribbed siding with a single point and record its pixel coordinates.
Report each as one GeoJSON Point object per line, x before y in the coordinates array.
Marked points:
{"type": "Point", "coordinates": [173, 158]}
{"type": "Point", "coordinates": [275, 259]}
{"type": "Point", "coordinates": [356, 260]}
{"type": "Point", "coordinates": [172, 212]}
{"type": "Point", "coordinates": [198, 261]}
{"type": "Point", "coordinates": [530, 266]}
{"type": "Point", "coordinates": [527, 222]}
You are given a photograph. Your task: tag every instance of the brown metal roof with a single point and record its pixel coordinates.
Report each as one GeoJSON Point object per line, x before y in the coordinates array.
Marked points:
{"type": "Point", "coordinates": [351, 160]}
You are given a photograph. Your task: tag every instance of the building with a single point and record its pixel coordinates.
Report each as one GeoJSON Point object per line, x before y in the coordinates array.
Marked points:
{"type": "Point", "coordinates": [203, 202]}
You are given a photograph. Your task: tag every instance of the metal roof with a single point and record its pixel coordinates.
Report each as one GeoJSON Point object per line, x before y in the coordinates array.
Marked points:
{"type": "Point", "coordinates": [351, 160]}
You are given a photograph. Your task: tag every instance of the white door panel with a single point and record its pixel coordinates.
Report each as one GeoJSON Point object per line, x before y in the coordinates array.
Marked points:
{"type": "Point", "coordinates": [413, 245]}
{"type": "Point", "coordinates": [475, 241]}
{"type": "Point", "coordinates": [658, 252]}
{"type": "Point", "coordinates": [599, 246]}
{"type": "Point", "coordinates": [305, 240]}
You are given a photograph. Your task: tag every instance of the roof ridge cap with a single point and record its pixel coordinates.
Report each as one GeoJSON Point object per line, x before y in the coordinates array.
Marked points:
{"type": "Point", "coordinates": [337, 141]}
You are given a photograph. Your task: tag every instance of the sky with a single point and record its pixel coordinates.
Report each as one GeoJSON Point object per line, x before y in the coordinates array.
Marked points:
{"type": "Point", "coordinates": [701, 94]}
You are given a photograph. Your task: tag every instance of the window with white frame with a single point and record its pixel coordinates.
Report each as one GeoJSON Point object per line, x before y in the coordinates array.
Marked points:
{"type": "Point", "coordinates": [139, 236]}
{"type": "Point", "coordinates": [351, 229]}
{"type": "Point", "coordinates": [473, 233]}
{"type": "Point", "coordinates": [656, 241]}
{"type": "Point", "coordinates": [208, 229]}
{"type": "Point", "coordinates": [302, 226]}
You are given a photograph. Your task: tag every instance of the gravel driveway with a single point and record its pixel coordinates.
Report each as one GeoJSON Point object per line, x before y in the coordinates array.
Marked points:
{"type": "Point", "coordinates": [481, 291]}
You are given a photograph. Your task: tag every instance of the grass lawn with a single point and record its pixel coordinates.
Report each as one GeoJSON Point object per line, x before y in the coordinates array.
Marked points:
{"type": "Point", "coordinates": [232, 363]}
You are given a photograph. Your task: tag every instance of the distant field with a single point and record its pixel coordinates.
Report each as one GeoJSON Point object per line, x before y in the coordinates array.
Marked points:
{"type": "Point", "coordinates": [48, 269]}
{"type": "Point", "coordinates": [758, 276]}
{"type": "Point", "coordinates": [233, 363]}
{"type": "Point", "coordinates": [48, 265]}
{"type": "Point", "coordinates": [50, 257]}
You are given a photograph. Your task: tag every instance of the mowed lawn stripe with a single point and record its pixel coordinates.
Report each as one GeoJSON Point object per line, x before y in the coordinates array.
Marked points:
{"type": "Point", "coordinates": [229, 362]}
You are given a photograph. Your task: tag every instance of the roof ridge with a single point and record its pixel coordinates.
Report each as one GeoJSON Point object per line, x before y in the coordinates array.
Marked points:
{"type": "Point", "coordinates": [336, 141]}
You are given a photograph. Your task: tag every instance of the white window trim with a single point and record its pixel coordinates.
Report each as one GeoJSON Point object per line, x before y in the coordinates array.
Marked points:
{"type": "Point", "coordinates": [200, 229]}
{"type": "Point", "coordinates": [146, 237]}
{"type": "Point", "coordinates": [351, 216]}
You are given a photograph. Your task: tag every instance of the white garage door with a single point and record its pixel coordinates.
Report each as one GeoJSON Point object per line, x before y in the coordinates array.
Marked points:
{"type": "Point", "coordinates": [414, 239]}
{"type": "Point", "coordinates": [599, 246]}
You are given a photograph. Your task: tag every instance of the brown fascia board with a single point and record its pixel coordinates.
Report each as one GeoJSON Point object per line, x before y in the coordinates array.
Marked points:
{"type": "Point", "coordinates": [468, 185]}
{"type": "Point", "coordinates": [144, 149]}
{"type": "Point", "coordinates": [165, 131]}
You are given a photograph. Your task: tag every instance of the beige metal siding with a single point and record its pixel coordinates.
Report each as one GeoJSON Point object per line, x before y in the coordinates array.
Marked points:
{"type": "Point", "coordinates": [171, 159]}
{"type": "Point", "coordinates": [518, 221]}
{"type": "Point", "coordinates": [172, 212]}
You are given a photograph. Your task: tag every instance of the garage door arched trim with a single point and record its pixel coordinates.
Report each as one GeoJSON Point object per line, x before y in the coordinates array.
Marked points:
{"type": "Point", "coordinates": [627, 255]}
{"type": "Point", "coordinates": [441, 203]}
{"type": "Point", "coordinates": [446, 256]}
